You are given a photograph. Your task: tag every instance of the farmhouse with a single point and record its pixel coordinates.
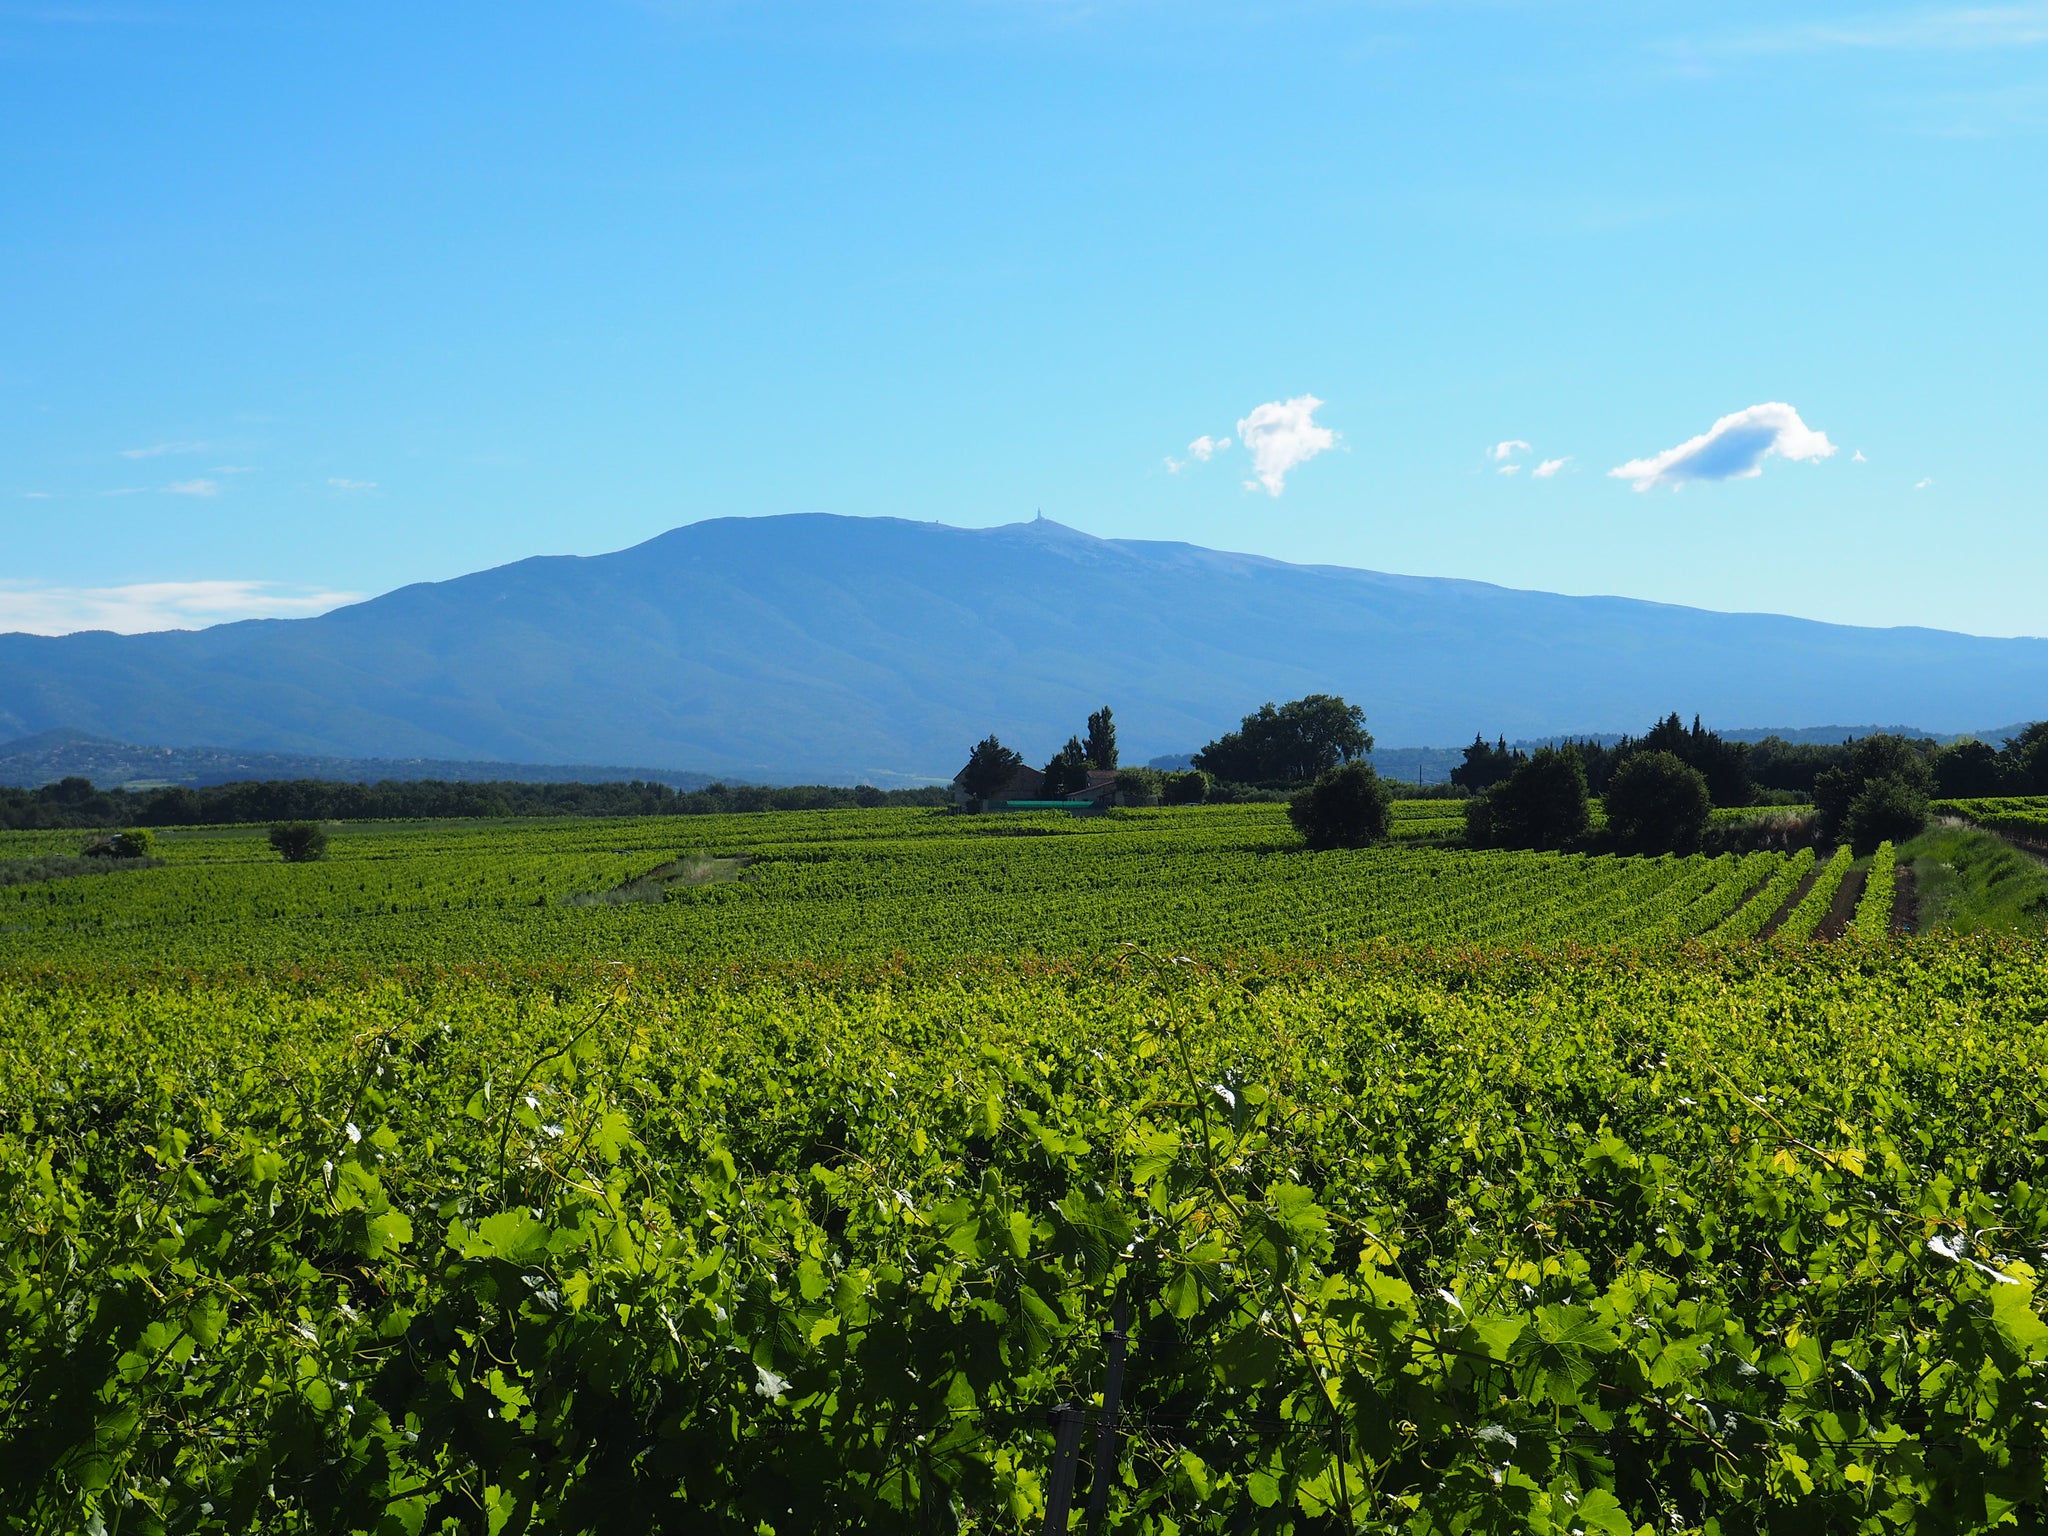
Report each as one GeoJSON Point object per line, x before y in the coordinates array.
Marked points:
{"type": "Point", "coordinates": [1027, 787]}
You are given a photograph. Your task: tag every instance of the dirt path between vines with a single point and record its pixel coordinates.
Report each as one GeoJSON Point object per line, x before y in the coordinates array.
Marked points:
{"type": "Point", "coordinates": [1847, 895]}
{"type": "Point", "coordinates": [1798, 894]}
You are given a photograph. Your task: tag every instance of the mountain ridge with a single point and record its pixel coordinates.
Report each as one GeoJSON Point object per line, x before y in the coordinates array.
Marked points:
{"type": "Point", "coordinates": [809, 644]}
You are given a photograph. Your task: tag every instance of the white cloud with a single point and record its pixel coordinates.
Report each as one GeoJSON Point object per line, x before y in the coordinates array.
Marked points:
{"type": "Point", "coordinates": [1281, 436]}
{"type": "Point", "coordinates": [1507, 450]}
{"type": "Point", "coordinates": [351, 485]}
{"type": "Point", "coordinates": [1550, 467]}
{"type": "Point", "coordinates": [1858, 458]}
{"type": "Point", "coordinates": [158, 450]}
{"type": "Point", "coordinates": [1922, 485]}
{"type": "Point", "coordinates": [1509, 469]}
{"type": "Point", "coordinates": [1734, 448]}
{"type": "Point", "coordinates": [155, 605]}
{"type": "Point", "coordinates": [35, 495]}
{"type": "Point", "coordinates": [193, 488]}
{"type": "Point", "coordinates": [1200, 451]}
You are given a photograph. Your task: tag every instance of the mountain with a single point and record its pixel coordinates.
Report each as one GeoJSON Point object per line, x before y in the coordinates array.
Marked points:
{"type": "Point", "coordinates": [60, 754]}
{"type": "Point", "coordinates": [815, 646]}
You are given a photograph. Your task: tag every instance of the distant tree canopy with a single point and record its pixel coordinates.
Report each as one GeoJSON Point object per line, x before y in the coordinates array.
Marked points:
{"type": "Point", "coordinates": [1657, 803]}
{"type": "Point", "coordinates": [1347, 807]}
{"type": "Point", "coordinates": [1293, 744]}
{"type": "Point", "coordinates": [1968, 768]}
{"type": "Point", "coordinates": [1973, 768]}
{"type": "Point", "coordinates": [990, 766]}
{"type": "Point", "coordinates": [1067, 772]}
{"type": "Point", "coordinates": [1878, 790]}
{"type": "Point", "coordinates": [1723, 764]}
{"type": "Point", "coordinates": [1542, 804]}
{"type": "Point", "coordinates": [1101, 739]}
{"type": "Point", "coordinates": [1191, 786]}
{"type": "Point", "coordinates": [1486, 766]}
{"type": "Point", "coordinates": [76, 803]}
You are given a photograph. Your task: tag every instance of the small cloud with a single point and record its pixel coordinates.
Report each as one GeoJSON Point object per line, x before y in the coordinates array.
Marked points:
{"type": "Point", "coordinates": [158, 450]}
{"type": "Point", "coordinates": [35, 495]}
{"type": "Point", "coordinates": [1550, 467]}
{"type": "Point", "coordinates": [157, 605]}
{"type": "Point", "coordinates": [1507, 450]}
{"type": "Point", "coordinates": [1857, 457]}
{"type": "Point", "coordinates": [1200, 451]}
{"type": "Point", "coordinates": [193, 488]}
{"type": "Point", "coordinates": [1281, 436]}
{"type": "Point", "coordinates": [1734, 448]}
{"type": "Point", "coordinates": [1509, 469]}
{"type": "Point", "coordinates": [1921, 485]}
{"type": "Point", "coordinates": [351, 485]}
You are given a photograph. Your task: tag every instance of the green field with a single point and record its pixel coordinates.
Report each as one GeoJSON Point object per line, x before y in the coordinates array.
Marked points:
{"type": "Point", "coordinates": [424, 1189]}
{"type": "Point", "coordinates": [833, 886]}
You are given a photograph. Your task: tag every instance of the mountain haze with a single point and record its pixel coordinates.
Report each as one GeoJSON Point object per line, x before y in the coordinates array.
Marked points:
{"type": "Point", "coordinates": [874, 647]}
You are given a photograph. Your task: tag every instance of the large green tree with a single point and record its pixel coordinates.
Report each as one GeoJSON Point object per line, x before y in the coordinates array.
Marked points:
{"type": "Point", "coordinates": [1067, 773]}
{"type": "Point", "coordinates": [299, 842]}
{"type": "Point", "coordinates": [1723, 764]}
{"type": "Point", "coordinates": [1867, 761]}
{"type": "Point", "coordinates": [1348, 807]}
{"type": "Point", "coordinates": [1291, 744]}
{"type": "Point", "coordinates": [990, 766]}
{"type": "Point", "coordinates": [1658, 803]}
{"type": "Point", "coordinates": [1101, 741]}
{"type": "Point", "coordinates": [1542, 804]}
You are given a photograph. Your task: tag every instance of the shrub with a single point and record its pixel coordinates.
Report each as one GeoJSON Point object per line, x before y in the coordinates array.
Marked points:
{"type": "Point", "coordinates": [1189, 788]}
{"type": "Point", "coordinates": [1347, 807]}
{"type": "Point", "coordinates": [1656, 803]}
{"type": "Point", "coordinates": [1139, 786]}
{"type": "Point", "coordinates": [1885, 810]}
{"type": "Point", "coordinates": [139, 843]}
{"type": "Point", "coordinates": [300, 842]}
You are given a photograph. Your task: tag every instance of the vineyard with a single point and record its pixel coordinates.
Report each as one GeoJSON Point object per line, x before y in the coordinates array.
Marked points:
{"type": "Point", "coordinates": [848, 885]}
{"type": "Point", "coordinates": [2022, 817]}
{"type": "Point", "coordinates": [886, 1171]}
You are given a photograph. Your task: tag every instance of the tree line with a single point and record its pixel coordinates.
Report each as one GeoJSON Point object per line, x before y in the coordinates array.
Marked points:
{"type": "Point", "coordinates": [1659, 790]}
{"type": "Point", "coordinates": [1313, 746]}
{"type": "Point", "coordinates": [1750, 773]}
{"type": "Point", "coordinates": [76, 802]}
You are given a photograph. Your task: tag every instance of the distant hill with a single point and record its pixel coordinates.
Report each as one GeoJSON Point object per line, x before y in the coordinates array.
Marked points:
{"type": "Point", "coordinates": [814, 647]}
{"type": "Point", "coordinates": [63, 754]}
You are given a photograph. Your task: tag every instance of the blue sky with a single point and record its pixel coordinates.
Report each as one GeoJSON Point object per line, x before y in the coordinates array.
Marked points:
{"type": "Point", "coordinates": [301, 301]}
